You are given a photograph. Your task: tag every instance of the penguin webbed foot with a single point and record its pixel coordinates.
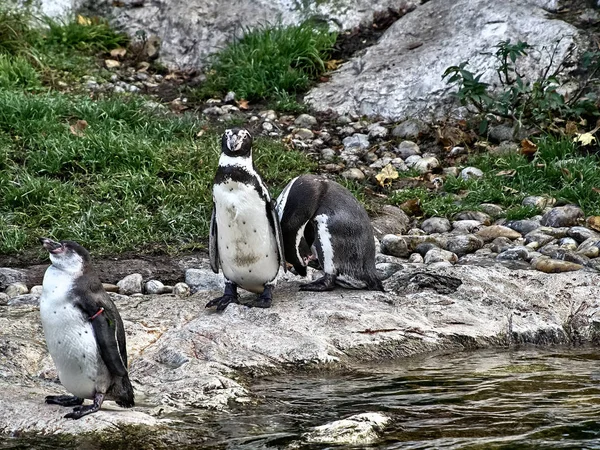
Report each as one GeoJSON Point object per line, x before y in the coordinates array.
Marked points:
{"type": "Point", "coordinates": [80, 411]}
{"type": "Point", "coordinates": [265, 299]}
{"type": "Point", "coordinates": [229, 296]}
{"type": "Point", "coordinates": [325, 283]}
{"type": "Point", "coordinates": [63, 400]}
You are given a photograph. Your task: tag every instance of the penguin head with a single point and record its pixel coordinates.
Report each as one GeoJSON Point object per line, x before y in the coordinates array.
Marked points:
{"type": "Point", "coordinates": [68, 256]}
{"type": "Point", "coordinates": [236, 142]}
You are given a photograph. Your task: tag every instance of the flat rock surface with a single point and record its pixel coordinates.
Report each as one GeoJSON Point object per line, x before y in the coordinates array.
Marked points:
{"type": "Point", "coordinates": [185, 357]}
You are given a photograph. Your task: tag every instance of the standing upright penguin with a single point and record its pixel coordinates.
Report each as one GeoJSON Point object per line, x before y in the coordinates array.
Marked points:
{"type": "Point", "coordinates": [245, 237]}
{"type": "Point", "coordinates": [84, 332]}
{"type": "Point", "coordinates": [322, 221]}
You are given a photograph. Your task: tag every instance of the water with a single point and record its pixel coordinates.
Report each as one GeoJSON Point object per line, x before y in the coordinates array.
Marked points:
{"type": "Point", "coordinates": [492, 399]}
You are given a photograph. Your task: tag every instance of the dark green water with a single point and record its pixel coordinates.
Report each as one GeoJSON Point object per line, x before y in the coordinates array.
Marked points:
{"type": "Point", "coordinates": [528, 399]}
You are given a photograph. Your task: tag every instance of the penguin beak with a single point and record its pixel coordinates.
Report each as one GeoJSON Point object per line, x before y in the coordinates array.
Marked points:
{"type": "Point", "coordinates": [51, 246]}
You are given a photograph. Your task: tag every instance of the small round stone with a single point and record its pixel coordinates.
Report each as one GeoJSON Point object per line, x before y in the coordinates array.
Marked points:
{"type": "Point", "coordinates": [471, 173]}
{"type": "Point", "coordinates": [182, 290]}
{"type": "Point", "coordinates": [436, 225]}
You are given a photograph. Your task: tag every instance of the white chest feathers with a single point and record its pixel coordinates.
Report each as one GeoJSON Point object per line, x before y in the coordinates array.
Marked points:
{"type": "Point", "coordinates": [246, 241]}
{"type": "Point", "coordinates": [70, 337]}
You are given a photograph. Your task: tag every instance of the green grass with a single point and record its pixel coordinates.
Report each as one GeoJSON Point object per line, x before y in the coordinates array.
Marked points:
{"type": "Point", "coordinates": [271, 62]}
{"type": "Point", "coordinates": [132, 179]}
{"type": "Point", "coordinates": [558, 169]}
{"type": "Point", "coordinates": [84, 34]}
{"type": "Point", "coordinates": [17, 72]}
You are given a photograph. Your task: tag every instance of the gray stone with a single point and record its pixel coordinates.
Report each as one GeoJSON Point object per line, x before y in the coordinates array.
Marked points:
{"type": "Point", "coordinates": [411, 160]}
{"type": "Point", "coordinates": [450, 171]}
{"type": "Point", "coordinates": [406, 149]}
{"type": "Point", "coordinates": [538, 237]}
{"type": "Point", "coordinates": [388, 80]}
{"type": "Point", "coordinates": [305, 121]}
{"type": "Point", "coordinates": [213, 111]}
{"type": "Point", "coordinates": [156, 287]}
{"type": "Point", "coordinates": [15, 289]}
{"type": "Point", "coordinates": [466, 226]}
{"type": "Point", "coordinates": [386, 269]}
{"type": "Point", "coordinates": [392, 220]}
{"type": "Point", "coordinates": [580, 234]}
{"type": "Point", "coordinates": [9, 276]}
{"type": "Point", "coordinates": [399, 164]}
{"type": "Point", "coordinates": [377, 131]}
{"type": "Point", "coordinates": [36, 290]}
{"type": "Point", "coordinates": [304, 134]}
{"type": "Point", "coordinates": [356, 142]}
{"type": "Point", "coordinates": [328, 154]}
{"type": "Point", "coordinates": [474, 215]}
{"type": "Point", "coordinates": [437, 254]}
{"type": "Point", "coordinates": [568, 243]}
{"type": "Point", "coordinates": [424, 247]}
{"type": "Point", "coordinates": [501, 244]}
{"type": "Point", "coordinates": [436, 225]}
{"type": "Point", "coordinates": [410, 129]}
{"type": "Point", "coordinates": [492, 209]}
{"type": "Point", "coordinates": [415, 258]}
{"type": "Point", "coordinates": [360, 429]}
{"type": "Point", "coordinates": [395, 246]}
{"type": "Point", "coordinates": [523, 226]}
{"type": "Point", "coordinates": [495, 231]}
{"type": "Point", "coordinates": [268, 114]}
{"type": "Point", "coordinates": [204, 280]}
{"type": "Point", "coordinates": [182, 290]}
{"type": "Point", "coordinates": [515, 253]}
{"type": "Point", "coordinates": [439, 265]}
{"type": "Point", "coordinates": [353, 174]}
{"type": "Point", "coordinates": [24, 299]}
{"type": "Point", "coordinates": [131, 284]}
{"type": "Point", "coordinates": [229, 97]}
{"type": "Point", "coordinates": [464, 244]}
{"type": "Point", "coordinates": [268, 126]}
{"type": "Point", "coordinates": [502, 133]}
{"type": "Point", "coordinates": [549, 265]}
{"type": "Point", "coordinates": [590, 248]}
{"type": "Point", "coordinates": [3, 299]}
{"type": "Point", "coordinates": [471, 173]}
{"type": "Point", "coordinates": [563, 216]}
{"type": "Point", "coordinates": [426, 164]}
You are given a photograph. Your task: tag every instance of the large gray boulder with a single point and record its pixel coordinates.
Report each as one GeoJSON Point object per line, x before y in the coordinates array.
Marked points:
{"type": "Point", "coordinates": [401, 76]}
{"type": "Point", "coordinates": [183, 356]}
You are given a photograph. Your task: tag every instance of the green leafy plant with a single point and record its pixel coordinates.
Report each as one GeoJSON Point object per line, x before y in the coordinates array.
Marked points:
{"type": "Point", "coordinates": [535, 102]}
{"type": "Point", "coordinates": [269, 61]}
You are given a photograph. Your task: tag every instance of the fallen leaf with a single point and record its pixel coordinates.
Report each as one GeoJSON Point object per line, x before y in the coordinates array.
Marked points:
{"type": "Point", "coordinates": [596, 190]}
{"type": "Point", "coordinates": [584, 138]}
{"type": "Point", "coordinates": [507, 173]}
{"type": "Point", "coordinates": [111, 63]}
{"type": "Point", "coordinates": [118, 52]}
{"type": "Point", "coordinates": [333, 64]}
{"type": "Point", "coordinates": [594, 222]}
{"type": "Point", "coordinates": [387, 175]}
{"type": "Point", "coordinates": [412, 207]}
{"type": "Point", "coordinates": [528, 147]}
{"type": "Point", "coordinates": [171, 76]}
{"type": "Point", "coordinates": [78, 128]}
{"type": "Point", "coordinates": [571, 128]}
{"type": "Point", "coordinates": [242, 104]}
{"type": "Point", "coordinates": [510, 190]}
{"type": "Point", "coordinates": [82, 20]}
{"type": "Point", "coordinates": [143, 66]}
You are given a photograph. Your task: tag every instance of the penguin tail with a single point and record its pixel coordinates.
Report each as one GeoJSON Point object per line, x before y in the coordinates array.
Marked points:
{"type": "Point", "coordinates": [122, 391]}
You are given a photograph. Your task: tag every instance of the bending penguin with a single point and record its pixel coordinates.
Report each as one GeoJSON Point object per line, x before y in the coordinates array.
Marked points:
{"type": "Point", "coordinates": [84, 332]}
{"type": "Point", "coordinates": [322, 222]}
{"type": "Point", "coordinates": [245, 237]}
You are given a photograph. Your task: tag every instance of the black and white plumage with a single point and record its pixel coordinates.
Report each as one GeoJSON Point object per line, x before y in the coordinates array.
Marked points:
{"type": "Point", "coordinates": [245, 237]}
{"type": "Point", "coordinates": [84, 332]}
{"type": "Point", "coordinates": [322, 222]}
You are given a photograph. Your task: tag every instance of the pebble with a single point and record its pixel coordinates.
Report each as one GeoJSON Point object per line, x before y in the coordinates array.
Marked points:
{"type": "Point", "coordinates": [4, 299]}
{"type": "Point", "coordinates": [466, 226]}
{"type": "Point", "coordinates": [549, 265]}
{"type": "Point", "coordinates": [471, 173]}
{"type": "Point", "coordinates": [131, 284]}
{"type": "Point", "coordinates": [36, 290]}
{"type": "Point", "coordinates": [156, 287]}
{"type": "Point", "coordinates": [394, 245]}
{"type": "Point", "coordinates": [495, 231]}
{"type": "Point", "coordinates": [590, 248]}
{"type": "Point", "coordinates": [268, 114]}
{"type": "Point", "coordinates": [415, 258]}
{"type": "Point", "coordinates": [464, 244]}
{"type": "Point", "coordinates": [427, 164]}
{"type": "Point", "coordinates": [492, 209]}
{"type": "Point", "coordinates": [439, 265]}
{"type": "Point", "coordinates": [182, 289]}
{"type": "Point", "coordinates": [303, 133]}
{"type": "Point", "coordinates": [523, 226]}
{"type": "Point", "coordinates": [501, 244]}
{"type": "Point", "coordinates": [9, 276]}
{"type": "Point", "coordinates": [580, 234]}
{"type": "Point", "coordinates": [406, 149]}
{"type": "Point", "coordinates": [568, 243]}
{"type": "Point", "coordinates": [24, 299]}
{"type": "Point", "coordinates": [305, 121]}
{"type": "Point", "coordinates": [387, 269]}
{"type": "Point", "coordinates": [357, 141]}
{"type": "Point", "coordinates": [562, 216]}
{"type": "Point", "coordinates": [538, 237]}
{"type": "Point", "coordinates": [410, 129]}
{"type": "Point", "coordinates": [213, 111]}
{"type": "Point", "coordinates": [537, 201]}
{"type": "Point", "coordinates": [514, 254]}
{"type": "Point", "coordinates": [437, 255]}
{"type": "Point", "coordinates": [450, 171]}
{"type": "Point", "coordinates": [328, 154]}
{"type": "Point", "coordinates": [593, 222]}
{"type": "Point", "coordinates": [474, 215]}
{"type": "Point", "coordinates": [16, 289]}
{"type": "Point", "coordinates": [229, 97]}
{"type": "Point", "coordinates": [424, 247]}
{"type": "Point", "coordinates": [268, 126]}
{"type": "Point", "coordinates": [353, 174]}
{"type": "Point", "coordinates": [377, 131]}
{"type": "Point", "coordinates": [436, 225]}
{"type": "Point", "coordinates": [108, 287]}
{"type": "Point", "coordinates": [204, 280]}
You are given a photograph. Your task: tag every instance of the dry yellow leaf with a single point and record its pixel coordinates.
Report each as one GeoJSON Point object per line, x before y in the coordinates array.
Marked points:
{"type": "Point", "coordinates": [333, 64]}
{"type": "Point", "coordinates": [118, 52]}
{"type": "Point", "coordinates": [584, 138]}
{"type": "Point", "coordinates": [82, 20]}
{"type": "Point", "coordinates": [387, 175]}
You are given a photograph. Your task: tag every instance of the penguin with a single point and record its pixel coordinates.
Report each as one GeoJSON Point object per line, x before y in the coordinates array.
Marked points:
{"type": "Point", "coordinates": [245, 239]}
{"type": "Point", "coordinates": [324, 225]}
{"type": "Point", "coordinates": [84, 332]}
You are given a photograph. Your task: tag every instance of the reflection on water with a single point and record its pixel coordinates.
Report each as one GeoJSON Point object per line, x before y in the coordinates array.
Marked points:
{"type": "Point", "coordinates": [492, 399]}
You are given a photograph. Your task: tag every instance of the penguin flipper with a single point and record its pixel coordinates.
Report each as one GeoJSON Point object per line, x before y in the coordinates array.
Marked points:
{"type": "Point", "coordinates": [108, 328]}
{"type": "Point", "coordinates": [276, 225]}
{"type": "Point", "coordinates": [213, 249]}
